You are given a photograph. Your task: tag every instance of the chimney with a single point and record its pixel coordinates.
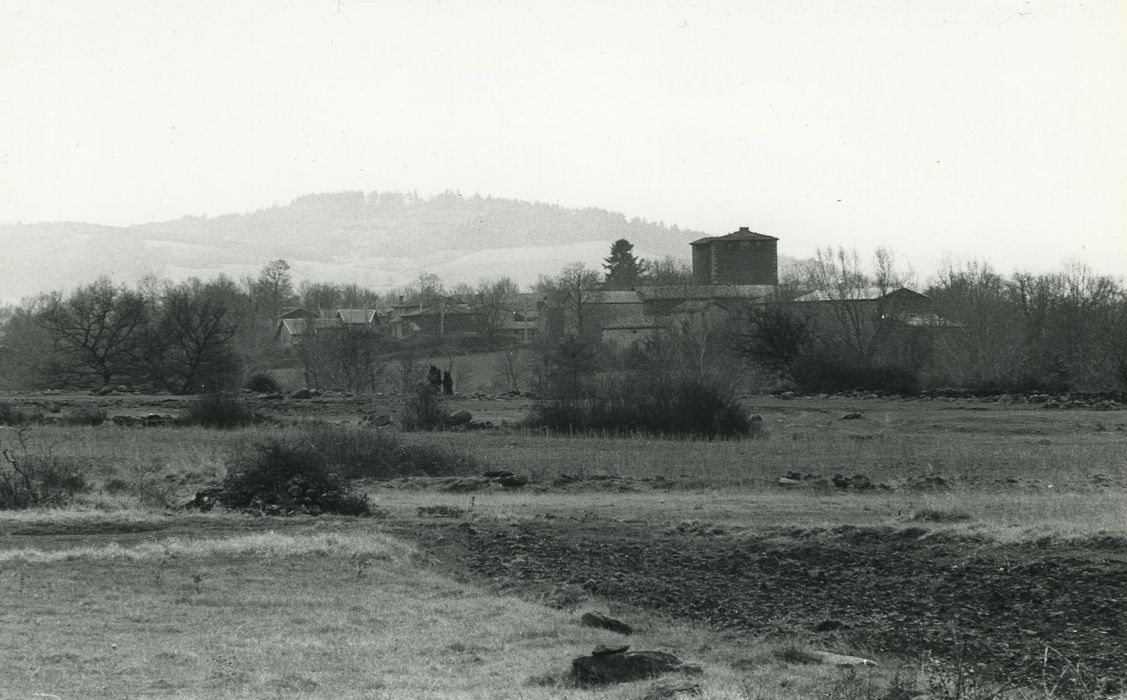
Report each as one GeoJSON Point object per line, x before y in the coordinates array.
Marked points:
{"type": "Point", "coordinates": [744, 229]}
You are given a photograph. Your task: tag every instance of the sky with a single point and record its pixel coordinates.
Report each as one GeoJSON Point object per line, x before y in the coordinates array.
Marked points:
{"type": "Point", "coordinates": [987, 129]}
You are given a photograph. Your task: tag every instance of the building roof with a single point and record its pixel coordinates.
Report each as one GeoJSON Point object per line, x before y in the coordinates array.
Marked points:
{"type": "Point", "coordinates": [630, 297]}
{"type": "Point", "coordinates": [356, 316]}
{"type": "Point", "coordinates": [307, 326]}
{"type": "Point", "coordinates": [744, 234]}
{"type": "Point", "coordinates": [447, 310]}
{"type": "Point", "coordinates": [863, 294]}
{"type": "Point", "coordinates": [709, 291]}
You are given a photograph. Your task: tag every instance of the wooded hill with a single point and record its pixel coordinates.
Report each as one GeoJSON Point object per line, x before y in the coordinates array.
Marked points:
{"type": "Point", "coordinates": [378, 239]}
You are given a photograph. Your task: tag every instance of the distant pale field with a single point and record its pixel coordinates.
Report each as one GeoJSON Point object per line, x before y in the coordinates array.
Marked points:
{"type": "Point", "coordinates": [118, 599]}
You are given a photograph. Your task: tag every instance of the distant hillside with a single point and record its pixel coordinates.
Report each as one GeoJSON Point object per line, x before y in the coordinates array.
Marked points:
{"type": "Point", "coordinates": [381, 240]}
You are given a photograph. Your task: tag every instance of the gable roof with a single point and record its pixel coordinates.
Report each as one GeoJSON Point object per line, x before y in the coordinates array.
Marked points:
{"type": "Point", "coordinates": [356, 316]}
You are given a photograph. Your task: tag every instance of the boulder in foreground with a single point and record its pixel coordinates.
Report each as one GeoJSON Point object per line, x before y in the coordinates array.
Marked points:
{"type": "Point", "coordinates": [607, 666]}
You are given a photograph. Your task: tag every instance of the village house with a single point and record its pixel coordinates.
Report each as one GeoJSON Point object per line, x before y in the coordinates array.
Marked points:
{"type": "Point", "coordinates": [298, 324]}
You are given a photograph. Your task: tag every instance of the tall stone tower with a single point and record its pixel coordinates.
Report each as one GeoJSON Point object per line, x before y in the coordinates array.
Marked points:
{"type": "Point", "coordinates": [742, 257]}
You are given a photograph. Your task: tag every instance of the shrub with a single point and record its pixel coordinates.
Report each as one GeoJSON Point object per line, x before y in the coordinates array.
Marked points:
{"type": "Point", "coordinates": [667, 408]}
{"type": "Point", "coordinates": [86, 415]}
{"type": "Point", "coordinates": [424, 409]}
{"type": "Point", "coordinates": [360, 453]}
{"type": "Point", "coordinates": [284, 478]}
{"type": "Point", "coordinates": [221, 411]}
{"type": "Point", "coordinates": [263, 383]}
{"type": "Point", "coordinates": [28, 480]}
{"type": "Point", "coordinates": [10, 414]}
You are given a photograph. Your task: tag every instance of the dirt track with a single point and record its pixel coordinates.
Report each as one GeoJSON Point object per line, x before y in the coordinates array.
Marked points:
{"type": "Point", "coordinates": [889, 591]}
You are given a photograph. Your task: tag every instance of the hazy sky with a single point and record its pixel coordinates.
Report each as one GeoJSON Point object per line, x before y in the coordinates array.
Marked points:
{"type": "Point", "coordinates": [988, 129]}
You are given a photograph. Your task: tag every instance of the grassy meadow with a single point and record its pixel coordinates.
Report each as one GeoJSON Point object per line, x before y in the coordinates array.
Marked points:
{"type": "Point", "coordinates": [121, 594]}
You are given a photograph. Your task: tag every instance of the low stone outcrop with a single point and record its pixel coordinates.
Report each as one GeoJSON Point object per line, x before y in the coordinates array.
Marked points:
{"type": "Point", "coordinates": [618, 665]}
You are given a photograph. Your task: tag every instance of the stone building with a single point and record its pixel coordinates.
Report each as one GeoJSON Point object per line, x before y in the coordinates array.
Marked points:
{"type": "Point", "coordinates": [739, 258]}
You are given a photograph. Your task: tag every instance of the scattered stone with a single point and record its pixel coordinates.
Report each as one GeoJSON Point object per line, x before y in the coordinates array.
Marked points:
{"type": "Point", "coordinates": [857, 482]}
{"type": "Point", "coordinates": [440, 512]}
{"type": "Point", "coordinates": [205, 499]}
{"type": "Point", "coordinates": [827, 657]}
{"type": "Point", "coordinates": [513, 481]}
{"type": "Point", "coordinates": [466, 485]}
{"type": "Point", "coordinates": [275, 396]}
{"type": "Point", "coordinates": [787, 481]}
{"type": "Point", "coordinates": [591, 619]}
{"type": "Point", "coordinates": [376, 420]}
{"type": "Point", "coordinates": [607, 666]}
{"type": "Point", "coordinates": [852, 416]}
{"type": "Point", "coordinates": [461, 418]}
{"type": "Point", "coordinates": [302, 394]}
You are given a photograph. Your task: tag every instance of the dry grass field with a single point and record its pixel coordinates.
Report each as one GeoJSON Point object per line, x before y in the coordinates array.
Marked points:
{"type": "Point", "coordinates": [958, 536]}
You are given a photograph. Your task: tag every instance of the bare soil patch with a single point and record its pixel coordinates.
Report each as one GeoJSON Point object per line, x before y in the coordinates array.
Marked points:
{"type": "Point", "coordinates": [901, 592]}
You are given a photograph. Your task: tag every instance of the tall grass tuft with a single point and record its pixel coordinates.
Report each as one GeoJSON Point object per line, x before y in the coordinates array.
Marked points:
{"type": "Point", "coordinates": [678, 408]}
{"type": "Point", "coordinates": [358, 453]}
{"type": "Point", "coordinates": [222, 411]}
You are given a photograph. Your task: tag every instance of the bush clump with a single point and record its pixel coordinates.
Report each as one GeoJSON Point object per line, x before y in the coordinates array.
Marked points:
{"type": "Point", "coordinates": [221, 411]}
{"type": "Point", "coordinates": [425, 409]}
{"type": "Point", "coordinates": [263, 384]}
{"type": "Point", "coordinates": [682, 408]}
{"type": "Point", "coordinates": [85, 415]}
{"type": "Point", "coordinates": [356, 453]}
{"type": "Point", "coordinates": [287, 478]}
{"type": "Point", "coordinates": [11, 414]}
{"type": "Point", "coordinates": [35, 481]}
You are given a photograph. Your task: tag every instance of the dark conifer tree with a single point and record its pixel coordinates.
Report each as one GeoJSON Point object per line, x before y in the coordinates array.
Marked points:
{"type": "Point", "coordinates": [624, 270]}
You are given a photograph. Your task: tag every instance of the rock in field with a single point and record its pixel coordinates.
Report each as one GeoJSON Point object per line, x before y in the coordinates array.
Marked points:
{"type": "Point", "coordinates": [606, 666]}
{"type": "Point", "coordinates": [591, 619]}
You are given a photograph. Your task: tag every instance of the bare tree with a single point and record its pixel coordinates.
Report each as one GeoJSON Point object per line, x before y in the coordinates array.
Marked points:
{"type": "Point", "coordinates": [97, 330]}
{"type": "Point", "coordinates": [570, 294]}
{"type": "Point", "coordinates": [492, 301]}
{"type": "Point", "coordinates": [670, 272]}
{"type": "Point", "coordinates": [273, 290]}
{"type": "Point", "coordinates": [196, 327]}
{"type": "Point", "coordinates": [774, 336]}
{"type": "Point", "coordinates": [347, 359]}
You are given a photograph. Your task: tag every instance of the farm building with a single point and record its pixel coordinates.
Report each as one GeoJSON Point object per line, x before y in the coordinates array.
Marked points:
{"type": "Point", "coordinates": [297, 325]}
{"type": "Point", "coordinates": [739, 258]}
